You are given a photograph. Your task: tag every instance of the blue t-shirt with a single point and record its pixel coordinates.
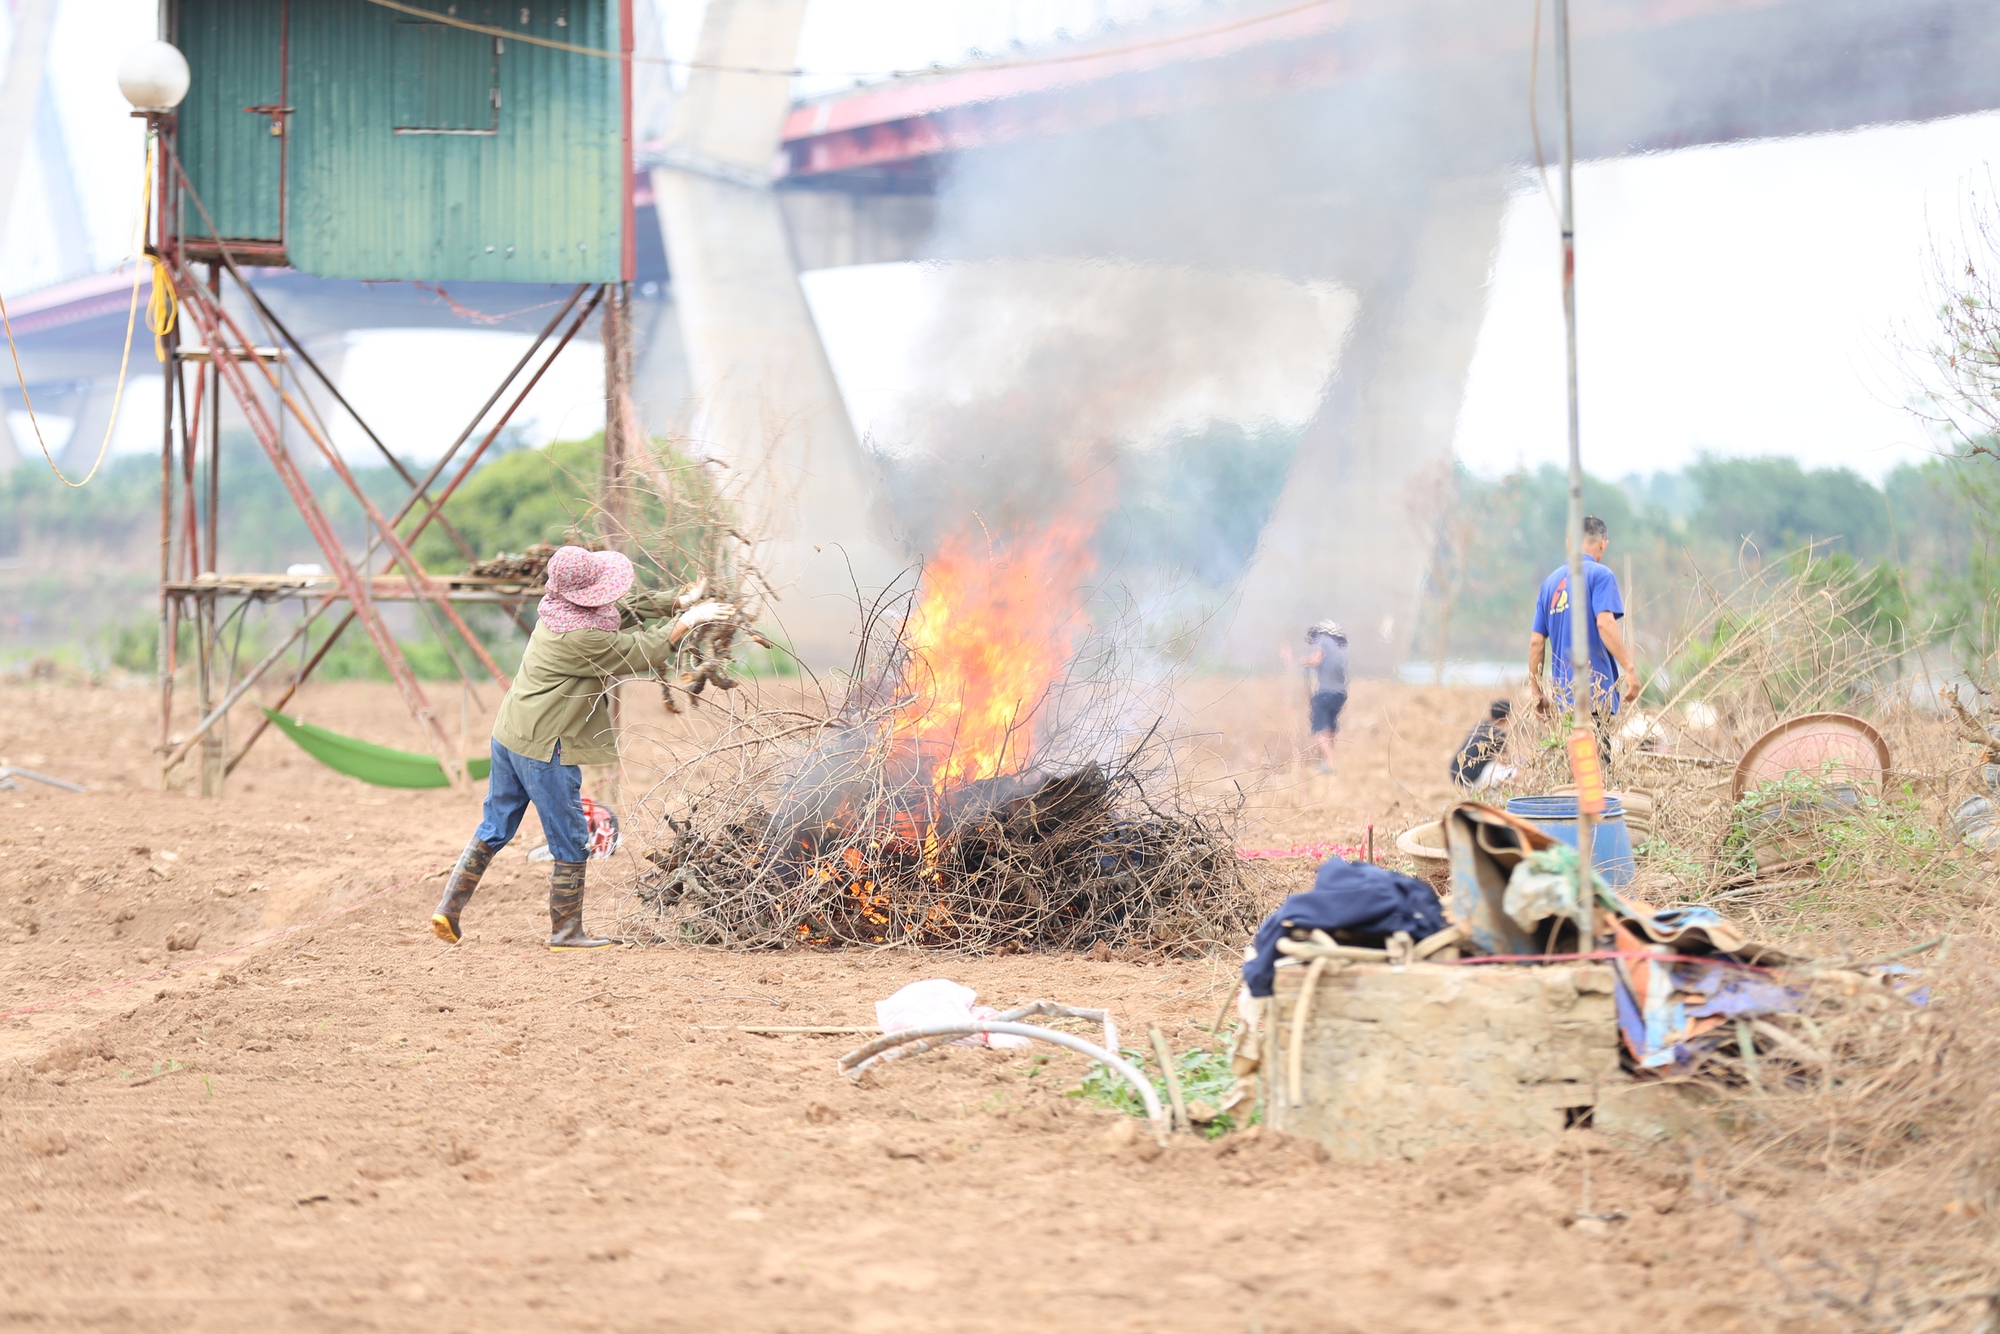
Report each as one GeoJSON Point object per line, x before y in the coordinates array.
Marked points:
{"type": "Point", "coordinates": [1330, 676]}
{"type": "Point", "coordinates": [1552, 618]}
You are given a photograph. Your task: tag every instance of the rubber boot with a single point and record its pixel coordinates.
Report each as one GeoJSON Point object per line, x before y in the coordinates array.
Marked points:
{"type": "Point", "coordinates": [472, 864]}
{"type": "Point", "coordinates": [566, 910]}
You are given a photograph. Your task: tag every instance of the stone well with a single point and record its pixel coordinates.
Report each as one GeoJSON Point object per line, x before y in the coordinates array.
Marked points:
{"type": "Point", "coordinates": [1397, 1062]}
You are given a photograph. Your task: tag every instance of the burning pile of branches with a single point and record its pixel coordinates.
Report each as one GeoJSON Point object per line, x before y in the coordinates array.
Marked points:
{"type": "Point", "coordinates": [980, 779]}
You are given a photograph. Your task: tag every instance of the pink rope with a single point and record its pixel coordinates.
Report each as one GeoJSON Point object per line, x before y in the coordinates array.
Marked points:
{"type": "Point", "coordinates": [219, 954]}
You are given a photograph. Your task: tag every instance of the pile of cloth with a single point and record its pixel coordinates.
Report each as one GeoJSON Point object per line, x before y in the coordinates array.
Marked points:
{"type": "Point", "coordinates": [1356, 903]}
{"type": "Point", "coordinates": [1688, 980]}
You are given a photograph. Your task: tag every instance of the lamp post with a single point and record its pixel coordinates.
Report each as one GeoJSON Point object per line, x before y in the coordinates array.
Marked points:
{"type": "Point", "coordinates": [154, 77]}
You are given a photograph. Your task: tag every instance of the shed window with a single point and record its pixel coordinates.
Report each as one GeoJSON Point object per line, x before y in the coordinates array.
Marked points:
{"type": "Point", "coordinates": [447, 80]}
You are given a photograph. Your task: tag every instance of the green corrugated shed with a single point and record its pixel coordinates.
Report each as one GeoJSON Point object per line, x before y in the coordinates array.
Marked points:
{"type": "Point", "coordinates": [232, 49]}
{"type": "Point", "coordinates": [416, 149]}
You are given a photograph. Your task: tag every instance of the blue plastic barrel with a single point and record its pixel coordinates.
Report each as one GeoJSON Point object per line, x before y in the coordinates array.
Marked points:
{"type": "Point", "coordinates": [1611, 841]}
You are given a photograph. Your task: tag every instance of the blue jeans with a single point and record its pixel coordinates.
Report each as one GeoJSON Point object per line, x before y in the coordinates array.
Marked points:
{"type": "Point", "coordinates": [555, 788]}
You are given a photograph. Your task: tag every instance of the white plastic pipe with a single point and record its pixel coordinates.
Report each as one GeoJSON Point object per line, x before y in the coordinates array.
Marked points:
{"type": "Point", "coordinates": [861, 1058]}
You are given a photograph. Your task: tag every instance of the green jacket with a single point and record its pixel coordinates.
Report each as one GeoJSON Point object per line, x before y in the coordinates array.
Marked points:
{"type": "Point", "coordinates": [562, 692]}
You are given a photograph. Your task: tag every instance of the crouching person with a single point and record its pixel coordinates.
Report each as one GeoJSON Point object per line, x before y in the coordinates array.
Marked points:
{"type": "Point", "coordinates": [556, 718]}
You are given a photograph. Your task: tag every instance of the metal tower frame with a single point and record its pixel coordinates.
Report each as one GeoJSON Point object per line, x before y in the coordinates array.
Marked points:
{"type": "Point", "coordinates": [226, 358]}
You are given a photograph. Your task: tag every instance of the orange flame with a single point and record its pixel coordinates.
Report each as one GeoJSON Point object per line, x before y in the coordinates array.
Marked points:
{"type": "Point", "coordinates": [993, 630]}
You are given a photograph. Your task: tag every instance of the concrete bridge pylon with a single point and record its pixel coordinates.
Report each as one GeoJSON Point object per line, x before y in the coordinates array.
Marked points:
{"type": "Point", "coordinates": [764, 397]}
{"type": "Point", "coordinates": [1349, 538]}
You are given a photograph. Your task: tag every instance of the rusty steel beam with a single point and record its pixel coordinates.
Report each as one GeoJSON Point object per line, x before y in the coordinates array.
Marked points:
{"type": "Point", "coordinates": [209, 320]}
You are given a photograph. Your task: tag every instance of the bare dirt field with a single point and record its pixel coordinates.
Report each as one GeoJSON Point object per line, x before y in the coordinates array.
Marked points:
{"type": "Point", "coordinates": [353, 1127]}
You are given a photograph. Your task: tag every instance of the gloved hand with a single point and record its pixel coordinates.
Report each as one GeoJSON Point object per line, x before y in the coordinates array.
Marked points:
{"type": "Point", "coordinates": [706, 613]}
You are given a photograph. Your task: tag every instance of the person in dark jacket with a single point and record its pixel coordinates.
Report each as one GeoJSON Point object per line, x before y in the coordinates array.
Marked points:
{"type": "Point", "coordinates": [1477, 763]}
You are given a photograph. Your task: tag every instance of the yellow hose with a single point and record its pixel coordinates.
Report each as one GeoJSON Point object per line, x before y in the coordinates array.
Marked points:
{"type": "Point", "coordinates": [160, 314]}
{"type": "Point", "coordinates": [162, 307]}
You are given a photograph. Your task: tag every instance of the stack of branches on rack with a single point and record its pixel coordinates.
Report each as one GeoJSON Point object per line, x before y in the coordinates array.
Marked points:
{"type": "Point", "coordinates": [527, 566]}
{"type": "Point", "coordinates": [819, 815]}
{"type": "Point", "coordinates": [530, 565]}
{"type": "Point", "coordinates": [682, 531]}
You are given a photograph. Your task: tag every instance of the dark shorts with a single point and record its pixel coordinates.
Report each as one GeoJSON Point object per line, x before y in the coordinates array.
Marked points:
{"type": "Point", "coordinates": [1326, 707]}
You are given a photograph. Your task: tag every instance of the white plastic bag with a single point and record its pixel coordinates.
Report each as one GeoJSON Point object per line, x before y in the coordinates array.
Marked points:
{"type": "Point", "coordinates": [939, 1000]}
{"type": "Point", "coordinates": [1534, 895]}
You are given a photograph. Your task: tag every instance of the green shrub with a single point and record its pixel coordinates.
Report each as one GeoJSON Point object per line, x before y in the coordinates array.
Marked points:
{"type": "Point", "coordinates": [1205, 1077]}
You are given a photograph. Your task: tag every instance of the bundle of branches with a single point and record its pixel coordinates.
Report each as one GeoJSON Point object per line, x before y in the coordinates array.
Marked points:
{"type": "Point", "coordinates": [826, 818]}
{"type": "Point", "coordinates": [529, 566]}
{"type": "Point", "coordinates": [1858, 1147]}
{"type": "Point", "coordinates": [1853, 1140]}
{"type": "Point", "coordinates": [707, 653]}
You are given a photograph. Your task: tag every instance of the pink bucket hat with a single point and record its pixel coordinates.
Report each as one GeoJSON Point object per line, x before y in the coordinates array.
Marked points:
{"type": "Point", "coordinates": [589, 578]}
{"type": "Point", "coordinates": [582, 585]}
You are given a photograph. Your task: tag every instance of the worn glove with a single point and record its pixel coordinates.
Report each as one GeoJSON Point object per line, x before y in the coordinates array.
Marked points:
{"type": "Point", "coordinates": [706, 613]}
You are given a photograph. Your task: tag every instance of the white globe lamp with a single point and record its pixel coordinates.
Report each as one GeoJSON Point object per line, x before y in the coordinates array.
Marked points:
{"type": "Point", "coordinates": [153, 76]}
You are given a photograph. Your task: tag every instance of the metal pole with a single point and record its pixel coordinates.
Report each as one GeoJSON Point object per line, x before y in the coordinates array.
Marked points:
{"type": "Point", "coordinates": [171, 381]}
{"type": "Point", "coordinates": [619, 451]}
{"type": "Point", "coordinates": [1581, 687]}
{"type": "Point", "coordinates": [214, 745]}
{"type": "Point", "coordinates": [158, 238]}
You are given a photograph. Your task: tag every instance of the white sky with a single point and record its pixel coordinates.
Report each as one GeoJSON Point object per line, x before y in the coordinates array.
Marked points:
{"type": "Point", "coordinates": [1740, 299]}
{"type": "Point", "coordinates": [1750, 298]}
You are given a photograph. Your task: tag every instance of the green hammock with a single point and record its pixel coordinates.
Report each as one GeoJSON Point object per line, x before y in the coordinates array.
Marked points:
{"type": "Point", "coordinates": [369, 762]}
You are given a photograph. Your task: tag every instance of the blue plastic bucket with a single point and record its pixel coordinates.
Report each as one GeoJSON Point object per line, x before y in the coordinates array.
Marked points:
{"type": "Point", "coordinates": [1611, 841]}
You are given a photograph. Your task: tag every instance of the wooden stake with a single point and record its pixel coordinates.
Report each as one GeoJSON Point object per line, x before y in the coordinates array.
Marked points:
{"type": "Point", "coordinates": [1166, 1060]}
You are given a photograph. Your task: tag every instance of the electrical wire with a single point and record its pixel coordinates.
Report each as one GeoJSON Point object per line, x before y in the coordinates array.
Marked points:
{"type": "Point", "coordinates": [452, 21]}
{"type": "Point", "coordinates": [159, 328]}
{"type": "Point", "coordinates": [1534, 118]}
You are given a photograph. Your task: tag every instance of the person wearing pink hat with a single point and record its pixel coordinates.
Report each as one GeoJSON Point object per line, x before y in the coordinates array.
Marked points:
{"type": "Point", "coordinates": [556, 718]}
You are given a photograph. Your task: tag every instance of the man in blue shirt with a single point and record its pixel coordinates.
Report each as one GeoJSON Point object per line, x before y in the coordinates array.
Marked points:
{"type": "Point", "coordinates": [1608, 650]}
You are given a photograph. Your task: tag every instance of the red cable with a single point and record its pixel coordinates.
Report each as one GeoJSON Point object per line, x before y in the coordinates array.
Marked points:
{"type": "Point", "coordinates": [1603, 954]}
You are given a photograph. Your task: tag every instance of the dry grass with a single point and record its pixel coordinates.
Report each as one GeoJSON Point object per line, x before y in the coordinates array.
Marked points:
{"type": "Point", "coordinates": [1867, 1172]}
{"type": "Point", "coordinates": [1858, 1145]}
